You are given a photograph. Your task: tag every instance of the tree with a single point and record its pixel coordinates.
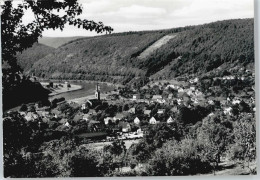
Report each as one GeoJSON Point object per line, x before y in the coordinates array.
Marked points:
{"type": "Point", "coordinates": [17, 37]}
{"type": "Point", "coordinates": [244, 134]}
{"type": "Point", "coordinates": [177, 158]}
{"type": "Point", "coordinates": [23, 107]}
{"type": "Point", "coordinates": [215, 137]}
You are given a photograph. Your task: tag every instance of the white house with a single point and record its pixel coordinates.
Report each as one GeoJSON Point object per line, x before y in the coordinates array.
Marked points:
{"type": "Point", "coordinates": [236, 101]}
{"type": "Point", "coordinates": [211, 102]}
{"type": "Point", "coordinates": [147, 112]}
{"type": "Point", "coordinates": [107, 119]}
{"type": "Point", "coordinates": [160, 111]}
{"type": "Point", "coordinates": [137, 120]}
{"type": "Point", "coordinates": [86, 117]}
{"type": "Point", "coordinates": [180, 90]}
{"type": "Point", "coordinates": [157, 97]}
{"type": "Point", "coordinates": [192, 88]}
{"type": "Point", "coordinates": [179, 101]}
{"type": "Point", "coordinates": [169, 120]}
{"type": "Point", "coordinates": [83, 106]}
{"type": "Point", "coordinates": [136, 96]}
{"type": "Point", "coordinates": [132, 110]}
{"type": "Point", "coordinates": [153, 121]}
{"type": "Point", "coordinates": [67, 124]}
{"type": "Point", "coordinates": [228, 110]}
{"type": "Point", "coordinates": [126, 127]}
{"type": "Point", "coordinates": [30, 116]}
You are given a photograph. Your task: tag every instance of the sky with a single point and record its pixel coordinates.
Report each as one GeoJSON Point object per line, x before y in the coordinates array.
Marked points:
{"type": "Point", "coordinates": [137, 15]}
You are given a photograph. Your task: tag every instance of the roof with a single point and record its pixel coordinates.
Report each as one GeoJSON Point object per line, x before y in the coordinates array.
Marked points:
{"type": "Point", "coordinates": [132, 110]}
{"type": "Point", "coordinates": [119, 116]}
{"type": "Point", "coordinates": [152, 119]}
{"type": "Point", "coordinates": [147, 111]}
{"type": "Point", "coordinates": [63, 121]}
{"type": "Point", "coordinates": [157, 97]}
{"type": "Point", "coordinates": [169, 119]}
{"type": "Point", "coordinates": [136, 120]}
{"type": "Point", "coordinates": [124, 124]}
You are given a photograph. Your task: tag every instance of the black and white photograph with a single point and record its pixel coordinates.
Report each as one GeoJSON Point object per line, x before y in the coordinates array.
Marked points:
{"type": "Point", "coordinates": [120, 88]}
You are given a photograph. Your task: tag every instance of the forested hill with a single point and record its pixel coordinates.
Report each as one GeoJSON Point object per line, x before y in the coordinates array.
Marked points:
{"type": "Point", "coordinates": [29, 56]}
{"type": "Point", "coordinates": [116, 57]}
{"type": "Point", "coordinates": [57, 41]}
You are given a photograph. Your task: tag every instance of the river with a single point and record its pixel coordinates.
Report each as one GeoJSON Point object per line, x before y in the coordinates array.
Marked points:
{"type": "Point", "coordinates": [88, 88]}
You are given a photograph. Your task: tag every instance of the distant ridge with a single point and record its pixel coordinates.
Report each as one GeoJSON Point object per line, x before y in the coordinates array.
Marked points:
{"type": "Point", "coordinates": [195, 50]}
{"type": "Point", "coordinates": [56, 42]}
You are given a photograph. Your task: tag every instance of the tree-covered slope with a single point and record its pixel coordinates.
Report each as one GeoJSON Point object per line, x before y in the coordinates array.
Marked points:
{"type": "Point", "coordinates": [116, 57]}
{"type": "Point", "coordinates": [100, 58]}
{"type": "Point", "coordinates": [56, 42]}
{"type": "Point", "coordinates": [204, 48]}
{"type": "Point", "coordinates": [29, 56]}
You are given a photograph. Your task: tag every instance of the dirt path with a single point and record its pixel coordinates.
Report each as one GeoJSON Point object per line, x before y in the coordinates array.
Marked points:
{"type": "Point", "coordinates": [156, 45]}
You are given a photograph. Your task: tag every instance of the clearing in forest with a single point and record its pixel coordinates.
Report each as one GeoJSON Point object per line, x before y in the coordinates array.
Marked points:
{"type": "Point", "coordinates": [156, 45]}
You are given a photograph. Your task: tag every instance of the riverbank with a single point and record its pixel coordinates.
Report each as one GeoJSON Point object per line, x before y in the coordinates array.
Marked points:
{"type": "Point", "coordinates": [81, 81]}
{"type": "Point", "coordinates": [59, 88]}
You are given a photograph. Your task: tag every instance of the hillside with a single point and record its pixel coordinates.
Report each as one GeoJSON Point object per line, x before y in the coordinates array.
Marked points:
{"type": "Point", "coordinates": [56, 42]}
{"type": "Point", "coordinates": [116, 58]}
{"type": "Point", "coordinates": [29, 56]}
{"type": "Point", "coordinates": [99, 58]}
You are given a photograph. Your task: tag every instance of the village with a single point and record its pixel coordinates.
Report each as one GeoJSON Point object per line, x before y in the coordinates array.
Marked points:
{"type": "Point", "coordinates": [127, 112]}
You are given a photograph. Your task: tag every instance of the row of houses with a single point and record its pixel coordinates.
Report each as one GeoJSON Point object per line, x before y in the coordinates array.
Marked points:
{"type": "Point", "coordinates": [137, 121]}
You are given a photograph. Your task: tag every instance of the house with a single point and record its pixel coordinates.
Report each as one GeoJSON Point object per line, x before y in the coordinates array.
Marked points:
{"type": "Point", "coordinates": [157, 97]}
{"type": "Point", "coordinates": [189, 92]}
{"type": "Point", "coordinates": [153, 121]}
{"type": "Point", "coordinates": [160, 111]}
{"type": "Point", "coordinates": [43, 113]}
{"type": "Point", "coordinates": [119, 116]}
{"type": "Point", "coordinates": [106, 120]}
{"type": "Point", "coordinates": [174, 109]}
{"type": "Point", "coordinates": [192, 88]}
{"type": "Point", "coordinates": [126, 127]}
{"type": "Point", "coordinates": [67, 124]}
{"type": "Point", "coordinates": [147, 112]}
{"type": "Point", "coordinates": [136, 96]}
{"type": "Point", "coordinates": [22, 113]}
{"type": "Point", "coordinates": [132, 110]}
{"type": "Point", "coordinates": [137, 120]}
{"type": "Point", "coordinates": [236, 101]}
{"type": "Point", "coordinates": [211, 102]}
{"type": "Point", "coordinates": [170, 96]}
{"type": "Point", "coordinates": [161, 101]}
{"type": "Point", "coordinates": [211, 114]}
{"type": "Point", "coordinates": [180, 90]}
{"type": "Point", "coordinates": [86, 117]}
{"type": "Point", "coordinates": [92, 112]}
{"type": "Point", "coordinates": [63, 121]}
{"type": "Point", "coordinates": [83, 106]}
{"type": "Point", "coordinates": [31, 116]}
{"type": "Point", "coordinates": [194, 80]}
{"type": "Point", "coordinates": [227, 111]}
{"type": "Point", "coordinates": [179, 101]}
{"type": "Point", "coordinates": [147, 96]}
{"type": "Point", "coordinates": [139, 131]}
{"type": "Point", "coordinates": [170, 120]}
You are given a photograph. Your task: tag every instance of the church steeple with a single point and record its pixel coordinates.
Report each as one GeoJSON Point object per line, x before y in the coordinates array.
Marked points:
{"type": "Point", "coordinates": [97, 92]}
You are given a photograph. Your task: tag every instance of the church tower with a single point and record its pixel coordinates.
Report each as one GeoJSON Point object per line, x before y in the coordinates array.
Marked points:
{"type": "Point", "coordinates": [97, 92]}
